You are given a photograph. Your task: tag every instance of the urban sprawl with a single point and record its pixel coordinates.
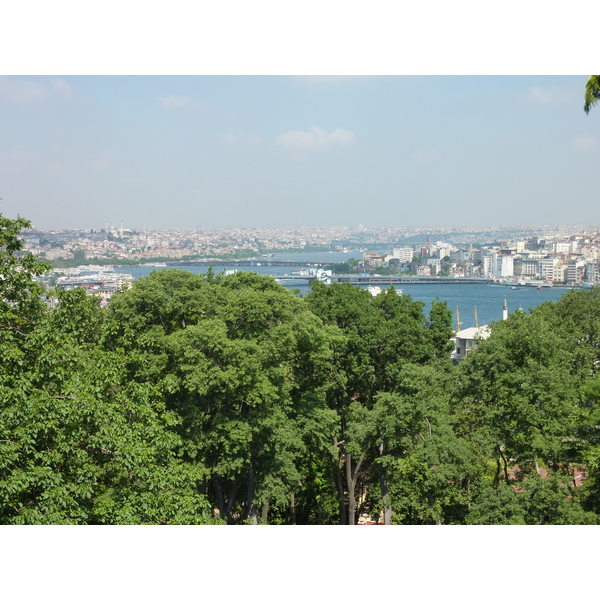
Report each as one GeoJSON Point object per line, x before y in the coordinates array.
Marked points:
{"type": "Point", "coordinates": [567, 256]}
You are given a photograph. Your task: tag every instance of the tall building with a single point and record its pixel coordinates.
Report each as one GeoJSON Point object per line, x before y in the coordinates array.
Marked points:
{"type": "Point", "coordinates": [546, 268]}
{"type": "Point", "coordinates": [403, 254]}
{"type": "Point", "coordinates": [498, 265]}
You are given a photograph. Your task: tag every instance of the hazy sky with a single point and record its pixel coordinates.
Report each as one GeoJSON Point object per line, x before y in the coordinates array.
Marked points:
{"type": "Point", "coordinates": [268, 151]}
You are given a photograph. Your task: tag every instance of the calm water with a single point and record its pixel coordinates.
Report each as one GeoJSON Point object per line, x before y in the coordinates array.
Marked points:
{"type": "Point", "coordinates": [486, 298]}
{"type": "Point", "coordinates": [332, 257]}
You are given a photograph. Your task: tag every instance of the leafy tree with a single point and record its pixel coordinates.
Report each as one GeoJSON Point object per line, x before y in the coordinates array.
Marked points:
{"type": "Point", "coordinates": [236, 356]}
{"type": "Point", "coordinates": [440, 327]}
{"type": "Point", "coordinates": [20, 296]}
{"type": "Point", "coordinates": [380, 336]}
{"type": "Point", "coordinates": [341, 268]}
{"type": "Point", "coordinates": [79, 315]}
{"type": "Point", "coordinates": [592, 92]}
{"type": "Point", "coordinates": [520, 384]}
{"type": "Point", "coordinates": [497, 506]}
{"type": "Point", "coordinates": [431, 475]}
{"type": "Point", "coordinates": [528, 394]}
{"type": "Point", "coordinates": [79, 256]}
{"type": "Point", "coordinates": [536, 501]}
{"type": "Point", "coordinates": [79, 441]}
{"type": "Point", "coordinates": [81, 444]}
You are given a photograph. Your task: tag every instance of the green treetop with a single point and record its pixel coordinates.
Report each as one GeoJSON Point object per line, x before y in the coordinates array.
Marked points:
{"type": "Point", "coordinates": [592, 92]}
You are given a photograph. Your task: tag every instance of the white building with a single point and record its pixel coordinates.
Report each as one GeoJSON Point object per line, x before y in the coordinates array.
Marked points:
{"type": "Point", "coordinates": [504, 266]}
{"type": "Point", "coordinates": [403, 254]}
{"type": "Point", "coordinates": [529, 268]}
{"type": "Point", "coordinates": [498, 265]}
{"type": "Point", "coordinates": [467, 339]}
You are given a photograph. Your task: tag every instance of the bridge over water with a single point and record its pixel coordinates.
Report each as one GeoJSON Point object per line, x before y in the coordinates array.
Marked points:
{"type": "Point", "coordinates": [380, 279]}
{"type": "Point", "coordinates": [244, 263]}
{"type": "Point", "coordinates": [387, 280]}
{"type": "Point", "coordinates": [354, 278]}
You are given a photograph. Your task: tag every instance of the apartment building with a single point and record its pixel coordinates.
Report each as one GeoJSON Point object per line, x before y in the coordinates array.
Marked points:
{"type": "Point", "coordinates": [575, 271]}
{"type": "Point", "coordinates": [403, 254]}
{"type": "Point", "coordinates": [498, 265]}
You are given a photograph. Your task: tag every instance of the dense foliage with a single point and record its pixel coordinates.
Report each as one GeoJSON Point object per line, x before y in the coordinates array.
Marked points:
{"type": "Point", "coordinates": [228, 399]}
{"type": "Point", "coordinates": [592, 92]}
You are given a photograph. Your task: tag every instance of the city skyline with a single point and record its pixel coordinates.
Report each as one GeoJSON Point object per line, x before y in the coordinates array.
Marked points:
{"type": "Point", "coordinates": [206, 152]}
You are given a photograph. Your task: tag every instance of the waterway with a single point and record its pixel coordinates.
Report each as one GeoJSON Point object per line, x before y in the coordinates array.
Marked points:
{"type": "Point", "coordinates": [486, 299]}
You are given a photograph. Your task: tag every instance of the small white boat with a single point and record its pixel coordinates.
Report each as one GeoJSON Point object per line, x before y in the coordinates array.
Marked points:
{"type": "Point", "coordinates": [375, 290]}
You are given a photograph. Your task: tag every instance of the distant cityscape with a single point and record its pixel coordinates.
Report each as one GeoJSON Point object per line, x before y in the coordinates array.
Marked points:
{"type": "Point", "coordinates": [569, 255]}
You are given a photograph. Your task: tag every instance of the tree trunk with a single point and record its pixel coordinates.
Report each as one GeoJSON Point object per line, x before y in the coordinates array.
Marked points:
{"type": "Point", "coordinates": [340, 488]}
{"type": "Point", "coordinates": [351, 479]}
{"type": "Point", "coordinates": [232, 494]}
{"type": "Point", "coordinates": [265, 512]}
{"type": "Point", "coordinates": [385, 494]}
{"type": "Point", "coordinates": [253, 514]}
{"type": "Point", "coordinates": [497, 476]}
{"type": "Point", "coordinates": [350, 482]}
{"type": "Point", "coordinates": [225, 508]}
{"type": "Point", "coordinates": [219, 494]}
{"type": "Point", "coordinates": [249, 508]}
{"type": "Point", "coordinates": [293, 509]}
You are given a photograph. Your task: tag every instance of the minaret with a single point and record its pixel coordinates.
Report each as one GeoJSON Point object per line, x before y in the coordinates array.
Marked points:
{"type": "Point", "coordinates": [504, 310]}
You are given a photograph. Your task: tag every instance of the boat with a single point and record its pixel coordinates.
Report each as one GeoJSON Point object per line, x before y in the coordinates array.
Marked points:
{"type": "Point", "coordinates": [375, 290]}
{"type": "Point", "coordinates": [155, 265]}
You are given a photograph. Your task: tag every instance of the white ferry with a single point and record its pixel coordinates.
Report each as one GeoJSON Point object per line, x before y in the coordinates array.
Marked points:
{"type": "Point", "coordinates": [375, 290]}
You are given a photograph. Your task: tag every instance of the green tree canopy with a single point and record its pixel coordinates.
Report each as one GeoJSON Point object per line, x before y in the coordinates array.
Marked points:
{"type": "Point", "coordinates": [381, 337]}
{"type": "Point", "coordinates": [80, 442]}
{"type": "Point", "coordinates": [20, 295]}
{"type": "Point", "coordinates": [592, 92]}
{"type": "Point", "coordinates": [237, 357]}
